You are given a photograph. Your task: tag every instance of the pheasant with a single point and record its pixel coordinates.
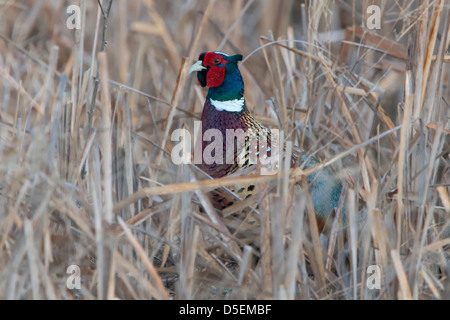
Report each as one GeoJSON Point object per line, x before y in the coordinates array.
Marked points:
{"type": "Point", "coordinates": [225, 109]}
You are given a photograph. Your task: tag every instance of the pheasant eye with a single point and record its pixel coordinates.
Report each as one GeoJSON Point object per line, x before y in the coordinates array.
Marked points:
{"type": "Point", "coordinates": [216, 61]}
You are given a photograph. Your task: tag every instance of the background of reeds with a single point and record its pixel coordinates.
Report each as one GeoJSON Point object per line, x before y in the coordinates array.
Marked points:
{"type": "Point", "coordinates": [86, 176]}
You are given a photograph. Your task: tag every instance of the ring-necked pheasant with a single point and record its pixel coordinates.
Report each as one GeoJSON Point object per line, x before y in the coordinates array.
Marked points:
{"type": "Point", "coordinates": [224, 109]}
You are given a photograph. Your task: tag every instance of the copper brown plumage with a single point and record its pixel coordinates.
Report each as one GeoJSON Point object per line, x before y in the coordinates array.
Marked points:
{"type": "Point", "coordinates": [224, 109]}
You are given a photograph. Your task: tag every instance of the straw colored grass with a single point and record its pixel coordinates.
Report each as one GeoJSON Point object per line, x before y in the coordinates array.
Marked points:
{"type": "Point", "coordinates": [86, 118]}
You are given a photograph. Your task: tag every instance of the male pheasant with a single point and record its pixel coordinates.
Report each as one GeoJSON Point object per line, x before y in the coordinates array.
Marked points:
{"type": "Point", "coordinates": [225, 109]}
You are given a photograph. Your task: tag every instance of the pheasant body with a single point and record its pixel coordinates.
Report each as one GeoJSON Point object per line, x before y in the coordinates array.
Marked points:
{"type": "Point", "coordinates": [225, 109]}
{"type": "Point", "coordinates": [223, 120]}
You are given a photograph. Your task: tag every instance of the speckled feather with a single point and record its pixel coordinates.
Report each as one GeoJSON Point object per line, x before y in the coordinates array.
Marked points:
{"type": "Point", "coordinates": [223, 120]}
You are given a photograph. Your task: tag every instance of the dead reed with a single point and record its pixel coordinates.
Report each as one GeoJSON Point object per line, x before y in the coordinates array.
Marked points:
{"type": "Point", "coordinates": [86, 117]}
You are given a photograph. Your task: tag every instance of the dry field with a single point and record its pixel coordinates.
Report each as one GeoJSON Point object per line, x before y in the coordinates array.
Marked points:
{"type": "Point", "coordinates": [92, 206]}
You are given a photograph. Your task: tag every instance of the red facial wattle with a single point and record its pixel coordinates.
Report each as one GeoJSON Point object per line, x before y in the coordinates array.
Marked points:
{"type": "Point", "coordinates": [216, 72]}
{"type": "Point", "coordinates": [215, 76]}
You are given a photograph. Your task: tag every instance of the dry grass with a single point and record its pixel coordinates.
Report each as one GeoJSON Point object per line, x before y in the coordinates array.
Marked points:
{"type": "Point", "coordinates": [87, 177]}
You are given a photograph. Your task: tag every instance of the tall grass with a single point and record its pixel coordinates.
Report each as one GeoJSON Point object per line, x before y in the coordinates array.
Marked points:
{"type": "Point", "coordinates": [87, 177]}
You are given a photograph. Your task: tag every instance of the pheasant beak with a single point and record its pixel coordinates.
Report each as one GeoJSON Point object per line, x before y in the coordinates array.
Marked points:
{"type": "Point", "coordinates": [197, 66]}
